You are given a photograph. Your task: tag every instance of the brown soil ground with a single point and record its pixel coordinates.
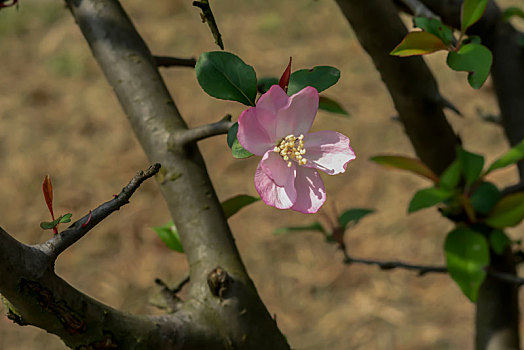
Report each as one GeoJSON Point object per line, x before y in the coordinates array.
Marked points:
{"type": "Point", "coordinates": [60, 117]}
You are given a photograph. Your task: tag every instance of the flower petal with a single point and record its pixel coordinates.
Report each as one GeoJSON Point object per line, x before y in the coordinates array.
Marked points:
{"type": "Point", "coordinates": [273, 100]}
{"type": "Point", "coordinates": [310, 191]}
{"type": "Point", "coordinates": [256, 130]}
{"type": "Point", "coordinates": [281, 197]}
{"type": "Point", "coordinates": [277, 169]}
{"type": "Point", "coordinates": [297, 117]}
{"type": "Point", "coordinates": [328, 151]}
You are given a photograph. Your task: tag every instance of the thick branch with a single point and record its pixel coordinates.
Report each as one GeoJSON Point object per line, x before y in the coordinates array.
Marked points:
{"type": "Point", "coordinates": [167, 61]}
{"type": "Point", "coordinates": [507, 70]}
{"type": "Point", "coordinates": [40, 298]}
{"type": "Point", "coordinates": [240, 320]}
{"type": "Point", "coordinates": [60, 242]}
{"type": "Point", "coordinates": [497, 318]}
{"type": "Point", "coordinates": [409, 81]}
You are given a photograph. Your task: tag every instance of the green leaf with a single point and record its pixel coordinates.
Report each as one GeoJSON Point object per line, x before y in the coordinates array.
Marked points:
{"type": "Point", "coordinates": [499, 241]}
{"type": "Point", "coordinates": [509, 211]}
{"type": "Point", "coordinates": [48, 225]}
{"type": "Point", "coordinates": [232, 134]}
{"type": "Point", "coordinates": [435, 27]}
{"type": "Point", "coordinates": [330, 105]}
{"type": "Point", "coordinates": [514, 155]}
{"type": "Point", "coordinates": [353, 215]}
{"type": "Point", "coordinates": [264, 84]}
{"type": "Point", "coordinates": [316, 226]}
{"type": "Point", "coordinates": [471, 164]}
{"type": "Point", "coordinates": [65, 218]}
{"type": "Point", "coordinates": [428, 197]}
{"type": "Point", "coordinates": [472, 10]}
{"type": "Point", "coordinates": [225, 76]}
{"type": "Point", "coordinates": [406, 163]}
{"type": "Point", "coordinates": [473, 58]}
{"type": "Point", "coordinates": [169, 235]}
{"type": "Point", "coordinates": [467, 254]}
{"type": "Point", "coordinates": [450, 178]}
{"type": "Point", "coordinates": [237, 150]}
{"type": "Point", "coordinates": [320, 77]}
{"type": "Point", "coordinates": [418, 43]}
{"type": "Point", "coordinates": [234, 204]}
{"type": "Point", "coordinates": [485, 197]}
{"type": "Point", "coordinates": [511, 12]}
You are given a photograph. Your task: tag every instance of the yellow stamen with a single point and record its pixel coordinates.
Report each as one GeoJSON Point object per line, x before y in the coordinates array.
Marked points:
{"type": "Point", "coordinates": [291, 148]}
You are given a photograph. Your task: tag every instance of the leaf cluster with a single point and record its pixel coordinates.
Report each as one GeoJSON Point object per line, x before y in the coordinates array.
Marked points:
{"type": "Point", "coordinates": [476, 206]}
{"type": "Point", "coordinates": [467, 55]}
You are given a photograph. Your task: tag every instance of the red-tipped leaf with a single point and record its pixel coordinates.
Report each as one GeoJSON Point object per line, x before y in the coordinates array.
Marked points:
{"type": "Point", "coordinates": [47, 188]}
{"type": "Point", "coordinates": [284, 79]}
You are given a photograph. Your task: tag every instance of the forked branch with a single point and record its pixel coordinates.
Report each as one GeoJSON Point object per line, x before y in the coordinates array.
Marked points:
{"type": "Point", "coordinates": [60, 242]}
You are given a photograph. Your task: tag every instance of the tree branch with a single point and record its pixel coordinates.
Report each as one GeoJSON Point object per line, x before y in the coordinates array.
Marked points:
{"type": "Point", "coordinates": [36, 296]}
{"type": "Point", "coordinates": [418, 9]}
{"type": "Point", "coordinates": [507, 70]}
{"type": "Point", "coordinates": [410, 83]}
{"type": "Point", "coordinates": [240, 320]}
{"type": "Point", "coordinates": [389, 265]}
{"type": "Point", "coordinates": [497, 318]}
{"type": "Point", "coordinates": [172, 301]}
{"type": "Point", "coordinates": [167, 61]}
{"type": "Point", "coordinates": [424, 269]}
{"type": "Point", "coordinates": [198, 133]}
{"type": "Point", "coordinates": [60, 242]}
{"type": "Point", "coordinates": [207, 16]}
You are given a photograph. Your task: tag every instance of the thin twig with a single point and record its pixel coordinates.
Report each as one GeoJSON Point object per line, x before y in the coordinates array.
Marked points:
{"type": "Point", "coordinates": [167, 61]}
{"type": "Point", "coordinates": [170, 296]}
{"type": "Point", "coordinates": [389, 265]}
{"type": "Point", "coordinates": [178, 286]}
{"type": "Point", "coordinates": [202, 132]}
{"type": "Point", "coordinates": [446, 103]}
{"type": "Point", "coordinates": [507, 277]}
{"type": "Point", "coordinates": [424, 269]}
{"type": "Point", "coordinates": [60, 242]}
{"type": "Point", "coordinates": [207, 16]}
{"type": "Point", "coordinates": [512, 189]}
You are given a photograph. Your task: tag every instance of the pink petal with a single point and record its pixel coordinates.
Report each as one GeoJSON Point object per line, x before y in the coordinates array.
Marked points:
{"type": "Point", "coordinates": [310, 191]}
{"type": "Point", "coordinates": [276, 168]}
{"type": "Point", "coordinates": [297, 117]}
{"type": "Point", "coordinates": [273, 100]}
{"type": "Point", "coordinates": [256, 130]}
{"type": "Point", "coordinates": [281, 197]}
{"type": "Point", "coordinates": [328, 151]}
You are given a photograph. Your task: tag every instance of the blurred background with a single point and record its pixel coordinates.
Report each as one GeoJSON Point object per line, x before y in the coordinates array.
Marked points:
{"type": "Point", "coordinates": [60, 117]}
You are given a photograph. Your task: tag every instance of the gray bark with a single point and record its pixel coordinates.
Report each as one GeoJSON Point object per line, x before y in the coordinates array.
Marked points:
{"type": "Point", "coordinates": [223, 310]}
{"type": "Point", "coordinates": [410, 83]}
{"type": "Point", "coordinates": [411, 86]}
{"type": "Point", "coordinates": [497, 315]}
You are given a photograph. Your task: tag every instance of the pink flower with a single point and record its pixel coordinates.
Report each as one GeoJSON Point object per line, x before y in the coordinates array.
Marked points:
{"type": "Point", "coordinates": [277, 129]}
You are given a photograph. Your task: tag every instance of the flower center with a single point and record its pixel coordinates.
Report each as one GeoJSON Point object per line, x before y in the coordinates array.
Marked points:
{"type": "Point", "coordinates": [292, 148]}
